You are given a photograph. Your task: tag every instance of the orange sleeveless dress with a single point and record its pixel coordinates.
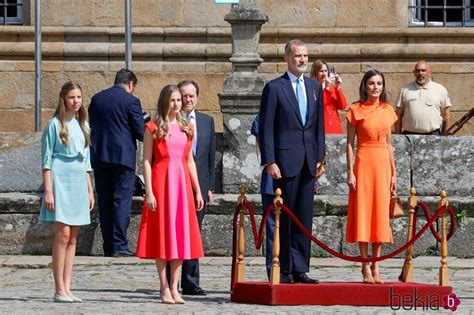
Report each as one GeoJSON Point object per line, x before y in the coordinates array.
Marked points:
{"type": "Point", "coordinates": [368, 210]}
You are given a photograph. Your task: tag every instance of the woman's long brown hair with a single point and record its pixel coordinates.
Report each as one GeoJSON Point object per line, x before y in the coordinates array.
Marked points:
{"type": "Point", "coordinates": [81, 115]}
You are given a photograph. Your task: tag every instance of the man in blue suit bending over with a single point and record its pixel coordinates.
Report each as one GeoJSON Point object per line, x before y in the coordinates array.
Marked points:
{"type": "Point", "coordinates": [117, 123]}
{"type": "Point", "coordinates": [292, 147]}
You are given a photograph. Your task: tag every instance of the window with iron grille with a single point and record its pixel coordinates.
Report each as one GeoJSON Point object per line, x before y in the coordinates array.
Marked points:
{"type": "Point", "coordinates": [441, 13]}
{"type": "Point", "coordinates": [11, 12]}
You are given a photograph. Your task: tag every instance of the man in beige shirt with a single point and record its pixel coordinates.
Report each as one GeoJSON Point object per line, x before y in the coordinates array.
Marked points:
{"type": "Point", "coordinates": [423, 105]}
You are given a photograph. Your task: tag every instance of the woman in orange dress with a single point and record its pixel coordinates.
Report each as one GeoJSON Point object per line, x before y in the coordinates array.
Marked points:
{"type": "Point", "coordinates": [372, 177]}
{"type": "Point", "coordinates": [333, 96]}
{"type": "Point", "coordinates": [169, 230]}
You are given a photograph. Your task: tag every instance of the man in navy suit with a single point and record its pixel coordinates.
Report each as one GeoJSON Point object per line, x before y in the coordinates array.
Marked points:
{"type": "Point", "coordinates": [204, 151]}
{"type": "Point", "coordinates": [292, 147]}
{"type": "Point", "coordinates": [117, 123]}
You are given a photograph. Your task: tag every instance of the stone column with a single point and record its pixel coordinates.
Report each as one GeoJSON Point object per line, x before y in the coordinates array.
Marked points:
{"type": "Point", "coordinates": [240, 99]}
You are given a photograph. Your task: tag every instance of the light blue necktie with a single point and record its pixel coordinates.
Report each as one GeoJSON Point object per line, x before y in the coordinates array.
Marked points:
{"type": "Point", "coordinates": [301, 100]}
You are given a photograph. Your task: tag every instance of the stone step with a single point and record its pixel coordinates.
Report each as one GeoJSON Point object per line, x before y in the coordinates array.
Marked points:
{"type": "Point", "coordinates": [22, 233]}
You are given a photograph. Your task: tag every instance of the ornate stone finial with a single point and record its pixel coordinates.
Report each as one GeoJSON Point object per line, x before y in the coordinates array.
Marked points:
{"type": "Point", "coordinates": [278, 192]}
{"type": "Point", "coordinates": [246, 20]}
{"type": "Point", "coordinates": [413, 191]}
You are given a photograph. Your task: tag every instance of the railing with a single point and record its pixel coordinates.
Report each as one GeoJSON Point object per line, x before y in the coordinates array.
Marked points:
{"type": "Point", "coordinates": [238, 241]}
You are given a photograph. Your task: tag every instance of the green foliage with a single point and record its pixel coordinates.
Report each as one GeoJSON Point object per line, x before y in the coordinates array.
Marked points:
{"type": "Point", "coordinates": [432, 251]}
{"type": "Point", "coordinates": [460, 215]}
{"type": "Point", "coordinates": [320, 254]}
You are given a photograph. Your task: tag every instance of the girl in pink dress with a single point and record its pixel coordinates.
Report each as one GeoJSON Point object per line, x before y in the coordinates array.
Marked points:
{"type": "Point", "coordinates": [169, 230]}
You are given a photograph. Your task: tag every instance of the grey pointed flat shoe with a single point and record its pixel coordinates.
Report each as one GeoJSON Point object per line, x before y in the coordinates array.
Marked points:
{"type": "Point", "coordinates": [61, 299]}
{"type": "Point", "coordinates": [75, 298]}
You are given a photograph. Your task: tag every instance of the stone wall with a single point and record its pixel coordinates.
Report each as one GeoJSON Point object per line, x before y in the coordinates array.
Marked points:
{"type": "Point", "coordinates": [175, 40]}
{"type": "Point", "coordinates": [427, 162]}
{"type": "Point", "coordinates": [22, 233]}
{"type": "Point", "coordinates": [205, 13]}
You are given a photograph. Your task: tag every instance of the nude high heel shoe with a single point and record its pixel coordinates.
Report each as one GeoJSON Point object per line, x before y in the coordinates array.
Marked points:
{"type": "Point", "coordinates": [177, 298]}
{"type": "Point", "coordinates": [367, 274]}
{"type": "Point", "coordinates": [376, 274]}
{"type": "Point", "coordinates": [166, 299]}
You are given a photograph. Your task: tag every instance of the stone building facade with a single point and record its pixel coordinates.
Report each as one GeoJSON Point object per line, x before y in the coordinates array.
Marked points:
{"type": "Point", "coordinates": [180, 39]}
{"type": "Point", "coordinates": [177, 39]}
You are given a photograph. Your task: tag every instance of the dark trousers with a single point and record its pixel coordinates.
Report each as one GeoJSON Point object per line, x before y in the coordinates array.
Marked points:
{"type": "Point", "coordinates": [114, 186]}
{"type": "Point", "coordinates": [298, 195]}
{"type": "Point", "coordinates": [190, 270]}
{"type": "Point", "coordinates": [267, 200]}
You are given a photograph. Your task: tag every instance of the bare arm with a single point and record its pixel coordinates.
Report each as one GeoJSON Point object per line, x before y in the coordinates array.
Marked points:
{"type": "Point", "coordinates": [48, 190]}
{"type": "Point", "coordinates": [212, 163]}
{"type": "Point", "coordinates": [351, 179]}
{"type": "Point", "coordinates": [194, 181]}
{"type": "Point", "coordinates": [147, 161]}
{"type": "Point", "coordinates": [393, 179]}
{"type": "Point", "coordinates": [91, 191]}
{"type": "Point", "coordinates": [446, 114]}
{"type": "Point", "coordinates": [398, 123]}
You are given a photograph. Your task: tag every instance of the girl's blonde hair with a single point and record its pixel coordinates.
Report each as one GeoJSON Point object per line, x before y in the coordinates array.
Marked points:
{"type": "Point", "coordinates": [162, 110]}
{"type": "Point", "coordinates": [81, 115]}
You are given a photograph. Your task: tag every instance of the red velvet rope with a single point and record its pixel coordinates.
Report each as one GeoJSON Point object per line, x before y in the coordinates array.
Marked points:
{"type": "Point", "coordinates": [258, 237]}
{"type": "Point", "coordinates": [424, 207]}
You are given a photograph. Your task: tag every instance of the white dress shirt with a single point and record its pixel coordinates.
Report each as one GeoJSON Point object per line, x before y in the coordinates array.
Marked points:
{"type": "Point", "coordinates": [293, 79]}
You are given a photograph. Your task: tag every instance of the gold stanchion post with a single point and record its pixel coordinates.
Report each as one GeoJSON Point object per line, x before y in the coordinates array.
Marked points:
{"type": "Point", "coordinates": [275, 272]}
{"type": "Point", "coordinates": [443, 270]}
{"type": "Point", "coordinates": [241, 239]}
{"type": "Point", "coordinates": [407, 273]}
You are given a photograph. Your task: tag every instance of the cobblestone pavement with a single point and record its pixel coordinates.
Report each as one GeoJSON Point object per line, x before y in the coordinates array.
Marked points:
{"type": "Point", "coordinates": [130, 285]}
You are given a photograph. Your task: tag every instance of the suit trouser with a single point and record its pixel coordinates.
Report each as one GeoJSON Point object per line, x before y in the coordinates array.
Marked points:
{"type": "Point", "coordinates": [190, 271]}
{"type": "Point", "coordinates": [298, 195]}
{"type": "Point", "coordinates": [267, 200]}
{"type": "Point", "coordinates": [114, 186]}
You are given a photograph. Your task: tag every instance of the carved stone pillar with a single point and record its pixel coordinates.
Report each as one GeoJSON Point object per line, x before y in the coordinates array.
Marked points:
{"type": "Point", "coordinates": [240, 99]}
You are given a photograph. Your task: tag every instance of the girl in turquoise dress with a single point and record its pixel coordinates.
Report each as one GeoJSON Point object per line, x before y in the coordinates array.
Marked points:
{"type": "Point", "coordinates": [68, 194]}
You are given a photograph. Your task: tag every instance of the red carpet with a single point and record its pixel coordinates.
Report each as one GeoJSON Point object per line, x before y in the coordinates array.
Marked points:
{"type": "Point", "coordinates": [398, 294]}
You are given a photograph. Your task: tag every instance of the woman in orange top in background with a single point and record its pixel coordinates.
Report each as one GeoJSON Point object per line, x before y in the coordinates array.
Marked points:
{"type": "Point", "coordinates": [372, 177]}
{"type": "Point", "coordinates": [333, 96]}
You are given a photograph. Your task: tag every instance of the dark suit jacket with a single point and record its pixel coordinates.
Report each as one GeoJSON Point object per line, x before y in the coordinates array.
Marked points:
{"type": "Point", "coordinates": [283, 138]}
{"type": "Point", "coordinates": [205, 157]}
{"type": "Point", "coordinates": [117, 123]}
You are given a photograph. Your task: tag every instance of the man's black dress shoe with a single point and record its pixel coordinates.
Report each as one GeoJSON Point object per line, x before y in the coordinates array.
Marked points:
{"type": "Point", "coordinates": [303, 278]}
{"type": "Point", "coordinates": [124, 253]}
{"type": "Point", "coordinates": [286, 278]}
{"type": "Point", "coordinates": [194, 291]}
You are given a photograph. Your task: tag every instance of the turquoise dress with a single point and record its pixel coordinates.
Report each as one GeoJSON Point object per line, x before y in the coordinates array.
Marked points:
{"type": "Point", "coordinates": [68, 165]}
